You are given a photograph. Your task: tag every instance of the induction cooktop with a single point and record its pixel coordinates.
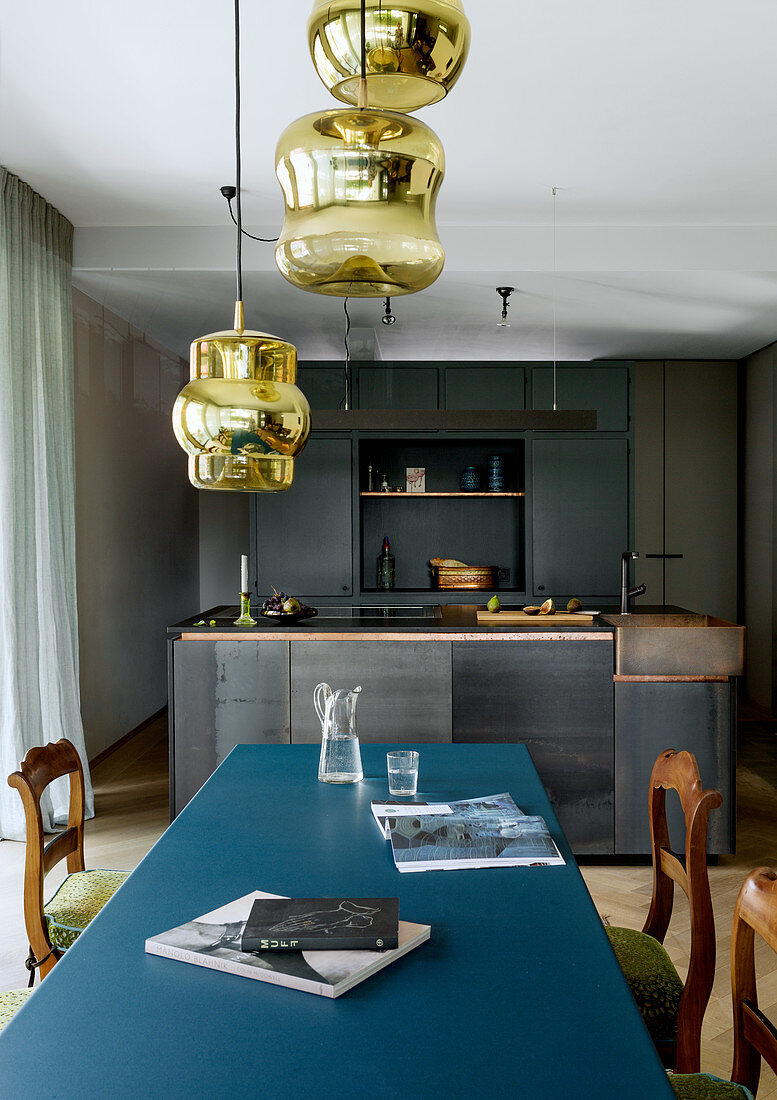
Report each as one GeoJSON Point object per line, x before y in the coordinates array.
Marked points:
{"type": "Point", "coordinates": [368, 612]}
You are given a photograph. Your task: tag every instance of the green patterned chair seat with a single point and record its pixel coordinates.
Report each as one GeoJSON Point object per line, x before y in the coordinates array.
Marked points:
{"type": "Point", "coordinates": [652, 978]}
{"type": "Point", "coordinates": [80, 897]}
{"type": "Point", "coordinates": [10, 1003]}
{"type": "Point", "coordinates": [702, 1086]}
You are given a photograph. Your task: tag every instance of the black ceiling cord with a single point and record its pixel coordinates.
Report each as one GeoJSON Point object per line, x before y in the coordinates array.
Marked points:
{"type": "Point", "coordinates": [345, 400]}
{"type": "Point", "coordinates": [239, 219]}
{"type": "Point", "coordinates": [229, 193]}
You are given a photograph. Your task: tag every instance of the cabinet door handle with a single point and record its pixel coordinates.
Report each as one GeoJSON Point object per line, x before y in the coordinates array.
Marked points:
{"type": "Point", "coordinates": [540, 587]}
{"type": "Point", "coordinates": [345, 588]}
{"type": "Point", "coordinates": [663, 556]}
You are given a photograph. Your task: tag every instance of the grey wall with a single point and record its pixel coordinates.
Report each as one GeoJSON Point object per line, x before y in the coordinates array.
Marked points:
{"type": "Point", "coordinates": [137, 522]}
{"type": "Point", "coordinates": [759, 525]}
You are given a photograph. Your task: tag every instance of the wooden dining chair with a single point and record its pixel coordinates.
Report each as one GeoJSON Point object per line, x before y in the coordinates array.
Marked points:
{"type": "Point", "coordinates": [672, 1010]}
{"type": "Point", "coordinates": [755, 1037]}
{"type": "Point", "coordinates": [52, 927]}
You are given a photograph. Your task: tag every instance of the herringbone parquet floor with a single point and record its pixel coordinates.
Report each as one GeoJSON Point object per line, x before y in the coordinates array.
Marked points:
{"type": "Point", "coordinates": [131, 803]}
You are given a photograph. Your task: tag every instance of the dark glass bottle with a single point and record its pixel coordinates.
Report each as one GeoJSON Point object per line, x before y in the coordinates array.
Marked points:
{"type": "Point", "coordinates": [386, 570]}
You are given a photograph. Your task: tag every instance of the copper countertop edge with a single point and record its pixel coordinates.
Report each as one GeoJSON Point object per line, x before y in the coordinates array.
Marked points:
{"type": "Point", "coordinates": [666, 678]}
{"type": "Point", "coordinates": [397, 636]}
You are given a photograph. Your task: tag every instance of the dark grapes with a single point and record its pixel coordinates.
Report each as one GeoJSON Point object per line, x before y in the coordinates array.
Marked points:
{"type": "Point", "coordinates": [273, 605]}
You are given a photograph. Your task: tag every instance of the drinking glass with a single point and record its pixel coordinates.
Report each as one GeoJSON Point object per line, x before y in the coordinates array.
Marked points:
{"type": "Point", "coordinates": [402, 772]}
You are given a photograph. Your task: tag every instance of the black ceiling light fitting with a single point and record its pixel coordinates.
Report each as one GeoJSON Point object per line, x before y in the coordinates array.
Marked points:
{"type": "Point", "coordinates": [504, 292]}
{"type": "Point", "coordinates": [388, 317]}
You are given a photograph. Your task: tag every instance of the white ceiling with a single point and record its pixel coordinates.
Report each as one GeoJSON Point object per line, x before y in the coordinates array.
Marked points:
{"type": "Point", "coordinates": [647, 113]}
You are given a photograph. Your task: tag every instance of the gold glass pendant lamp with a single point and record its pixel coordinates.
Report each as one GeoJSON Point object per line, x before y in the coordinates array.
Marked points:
{"type": "Point", "coordinates": [414, 51]}
{"type": "Point", "coordinates": [360, 187]}
{"type": "Point", "coordinates": [241, 418]}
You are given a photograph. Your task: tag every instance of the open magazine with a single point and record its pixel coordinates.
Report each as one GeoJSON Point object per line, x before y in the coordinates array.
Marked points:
{"type": "Point", "coordinates": [470, 833]}
{"type": "Point", "coordinates": [215, 940]}
{"type": "Point", "coordinates": [499, 805]}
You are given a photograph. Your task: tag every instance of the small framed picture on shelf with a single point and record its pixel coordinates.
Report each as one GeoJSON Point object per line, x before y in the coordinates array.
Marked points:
{"type": "Point", "coordinates": [416, 479]}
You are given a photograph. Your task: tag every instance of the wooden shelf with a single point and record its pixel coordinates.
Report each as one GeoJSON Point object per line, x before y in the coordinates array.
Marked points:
{"type": "Point", "coordinates": [403, 494]}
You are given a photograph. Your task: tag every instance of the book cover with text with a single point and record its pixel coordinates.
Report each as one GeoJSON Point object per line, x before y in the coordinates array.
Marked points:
{"type": "Point", "coordinates": [214, 940]}
{"type": "Point", "coordinates": [322, 924]}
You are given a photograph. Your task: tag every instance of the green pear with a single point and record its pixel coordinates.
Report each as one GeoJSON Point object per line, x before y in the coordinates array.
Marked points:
{"type": "Point", "coordinates": [494, 604]}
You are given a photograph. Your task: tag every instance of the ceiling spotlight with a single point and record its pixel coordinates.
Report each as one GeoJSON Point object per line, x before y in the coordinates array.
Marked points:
{"type": "Point", "coordinates": [504, 292]}
{"type": "Point", "coordinates": [388, 317]}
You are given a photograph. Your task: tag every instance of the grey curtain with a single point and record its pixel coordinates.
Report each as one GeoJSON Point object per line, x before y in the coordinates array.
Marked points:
{"type": "Point", "coordinates": [39, 692]}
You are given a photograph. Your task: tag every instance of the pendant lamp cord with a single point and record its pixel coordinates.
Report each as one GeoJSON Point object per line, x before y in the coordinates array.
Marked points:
{"type": "Point", "coordinates": [265, 240]}
{"type": "Point", "coordinates": [554, 300]}
{"type": "Point", "coordinates": [362, 97]}
{"type": "Point", "coordinates": [227, 191]}
{"type": "Point", "coordinates": [345, 402]}
{"type": "Point", "coordinates": [239, 220]}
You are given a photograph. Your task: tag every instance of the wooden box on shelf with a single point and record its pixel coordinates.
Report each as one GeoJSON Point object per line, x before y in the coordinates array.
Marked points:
{"type": "Point", "coordinates": [465, 576]}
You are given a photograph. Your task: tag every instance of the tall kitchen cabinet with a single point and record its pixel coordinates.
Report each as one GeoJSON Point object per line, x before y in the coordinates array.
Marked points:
{"type": "Point", "coordinates": [685, 445]}
{"type": "Point", "coordinates": [581, 484]}
{"type": "Point", "coordinates": [301, 539]}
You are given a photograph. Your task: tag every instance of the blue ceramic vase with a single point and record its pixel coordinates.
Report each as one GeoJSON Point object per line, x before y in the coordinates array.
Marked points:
{"type": "Point", "coordinates": [496, 474]}
{"type": "Point", "coordinates": [470, 480]}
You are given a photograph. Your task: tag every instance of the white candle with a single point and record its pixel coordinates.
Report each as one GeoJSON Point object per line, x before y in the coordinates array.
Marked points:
{"type": "Point", "coordinates": [243, 573]}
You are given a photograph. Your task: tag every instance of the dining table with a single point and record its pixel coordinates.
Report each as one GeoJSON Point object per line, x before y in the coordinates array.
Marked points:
{"type": "Point", "coordinates": [517, 993]}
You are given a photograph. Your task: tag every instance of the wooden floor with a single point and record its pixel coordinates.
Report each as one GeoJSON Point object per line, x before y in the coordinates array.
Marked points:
{"type": "Point", "coordinates": [132, 812]}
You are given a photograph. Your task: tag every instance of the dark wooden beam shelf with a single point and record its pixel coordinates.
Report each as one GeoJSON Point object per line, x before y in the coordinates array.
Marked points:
{"type": "Point", "coordinates": [403, 494]}
{"type": "Point", "coordinates": [454, 420]}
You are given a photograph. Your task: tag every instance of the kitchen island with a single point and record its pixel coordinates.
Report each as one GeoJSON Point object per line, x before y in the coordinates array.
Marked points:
{"type": "Point", "coordinates": [435, 674]}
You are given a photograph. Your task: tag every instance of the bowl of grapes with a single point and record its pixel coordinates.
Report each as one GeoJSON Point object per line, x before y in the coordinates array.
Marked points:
{"type": "Point", "coordinates": [286, 609]}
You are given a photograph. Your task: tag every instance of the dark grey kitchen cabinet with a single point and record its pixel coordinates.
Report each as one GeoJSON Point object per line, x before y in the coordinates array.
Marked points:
{"type": "Point", "coordinates": [652, 717]}
{"type": "Point", "coordinates": [475, 386]}
{"type": "Point", "coordinates": [686, 485]}
{"type": "Point", "coordinates": [406, 688]}
{"type": "Point", "coordinates": [302, 537]}
{"type": "Point", "coordinates": [580, 515]}
{"type": "Point", "coordinates": [397, 387]}
{"type": "Point", "coordinates": [556, 697]}
{"type": "Point", "coordinates": [323, 386]}
{"type": "Point", "coordinates": [586, 386]}
{"type": "Point", "coordinates": [223, 694]}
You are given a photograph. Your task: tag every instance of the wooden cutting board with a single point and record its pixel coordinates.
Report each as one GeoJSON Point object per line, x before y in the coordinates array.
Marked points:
{"type": "Point", "coordinates": [561, 618]}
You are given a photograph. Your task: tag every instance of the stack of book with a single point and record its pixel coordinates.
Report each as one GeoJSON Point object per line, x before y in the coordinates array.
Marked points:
{"type": "Point", "coordinates": [319, 945]}
{"type": "Point", "coordinates": [457, 836]}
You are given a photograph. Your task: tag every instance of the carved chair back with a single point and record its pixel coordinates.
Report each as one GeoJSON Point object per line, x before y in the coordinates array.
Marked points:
{"type": "Point", "coordinates": [41, 766]}
{"type": "Point", "coordinates": [755, 1037]}
{"type": "Point", "coordinates": [678, 771]}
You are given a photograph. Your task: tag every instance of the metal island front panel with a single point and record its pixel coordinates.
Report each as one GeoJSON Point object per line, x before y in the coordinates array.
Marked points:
{"type": "Point", "coordinates": [436, 675]}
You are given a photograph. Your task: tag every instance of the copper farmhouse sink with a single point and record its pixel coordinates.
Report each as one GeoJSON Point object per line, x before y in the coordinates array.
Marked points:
{"type": "Point", "coordinates": [677, 645]}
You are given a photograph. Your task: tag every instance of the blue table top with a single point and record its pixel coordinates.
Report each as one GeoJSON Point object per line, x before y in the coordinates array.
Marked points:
{"type": "Point", "coordinates": [517, 994]}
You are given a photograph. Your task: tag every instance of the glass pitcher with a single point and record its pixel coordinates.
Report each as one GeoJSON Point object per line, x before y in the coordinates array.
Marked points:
{"type": "Point", "coordinates": [341, 760]}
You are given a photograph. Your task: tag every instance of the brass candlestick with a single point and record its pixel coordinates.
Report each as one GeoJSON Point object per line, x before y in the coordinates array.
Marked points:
{"type": "Point", "coordinates": [245, 611]}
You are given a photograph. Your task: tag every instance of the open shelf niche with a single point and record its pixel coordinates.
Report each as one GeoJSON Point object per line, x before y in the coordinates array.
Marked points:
{"type": "Point", "coordinates": [486, 529]}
